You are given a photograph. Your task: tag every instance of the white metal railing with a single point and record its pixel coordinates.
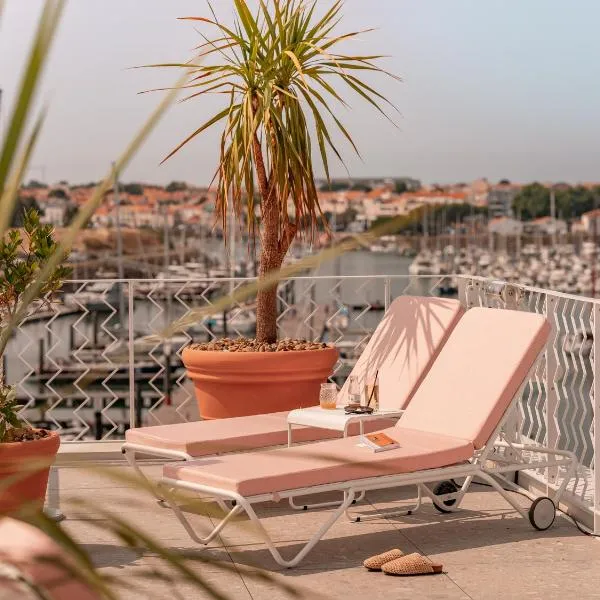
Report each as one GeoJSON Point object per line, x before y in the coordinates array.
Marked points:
{"type": "Point", "coordinates": [84, 368]}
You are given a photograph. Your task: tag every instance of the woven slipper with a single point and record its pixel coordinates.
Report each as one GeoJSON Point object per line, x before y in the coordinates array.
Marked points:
{"type": "Point", "coordinates": [412, 564]}
{"type": "Point", "coordinates": [376, 562]}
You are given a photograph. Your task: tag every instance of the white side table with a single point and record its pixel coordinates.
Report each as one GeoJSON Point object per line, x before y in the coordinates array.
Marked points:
{"type": "Point", "coordinates": [333, 419]}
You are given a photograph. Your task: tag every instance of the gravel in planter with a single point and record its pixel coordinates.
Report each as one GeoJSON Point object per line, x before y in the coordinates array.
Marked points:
{"type": "Point", "coordinates": [25, 434]}
{"type": "Point", "coordinates": [251, 345]}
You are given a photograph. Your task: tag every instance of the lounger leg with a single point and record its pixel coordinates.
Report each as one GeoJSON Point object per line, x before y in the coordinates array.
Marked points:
{"type": "Point", "coordinates": [464, 488]}
{"type": "Point", "coordinates": [571, 470]}
{"type": "Point", "coordinates": [397, 513]}
{"type": "Point", "coordinates": [130, 457]}
{"type": "Point", "coordinates": [190, 530]}
{"type": "Point", "coordinates": [504, 493]}
{"type": "Point", "coordinates": [348, 499]}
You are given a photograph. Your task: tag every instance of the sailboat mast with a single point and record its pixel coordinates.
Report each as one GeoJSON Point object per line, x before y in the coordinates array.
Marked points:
{"type": "Point", "coordinates": [425, 230]}
{"type": "Point", "coordinates": [553, 215]}
{"type": "Point", "coordinates": [117, 200]}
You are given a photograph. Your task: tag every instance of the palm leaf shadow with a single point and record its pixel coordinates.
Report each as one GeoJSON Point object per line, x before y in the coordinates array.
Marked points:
{"type": "Point", "coordinates": [403, 348]}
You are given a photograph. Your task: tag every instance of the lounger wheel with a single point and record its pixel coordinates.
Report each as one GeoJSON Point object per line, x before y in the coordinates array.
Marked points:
{"type": "Point", "coordinates": [443, 488]}
{"type": "Point", "coordinates": [542, 513]}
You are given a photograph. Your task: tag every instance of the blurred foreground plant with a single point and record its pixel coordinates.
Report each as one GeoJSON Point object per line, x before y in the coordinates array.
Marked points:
{"type": "Point", "coordinates": [23, 280]}
{"type": "Point", "coordinates": [15, 154]}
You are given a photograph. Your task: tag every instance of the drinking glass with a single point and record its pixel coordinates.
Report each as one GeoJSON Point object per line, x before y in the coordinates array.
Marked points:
{"type": "Point", "coordinates": [354, 390]}
{"type": "Point", "coordinates": [372, 393]}
{"type": "Point", "coordinates": [328, 396]}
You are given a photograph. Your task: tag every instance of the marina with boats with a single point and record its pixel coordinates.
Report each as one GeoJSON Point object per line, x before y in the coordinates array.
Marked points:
{"type": "Point", "coordinates": [558, 267]}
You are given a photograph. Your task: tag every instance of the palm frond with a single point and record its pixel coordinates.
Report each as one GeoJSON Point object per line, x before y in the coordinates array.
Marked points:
{"type": "Point", "coordinates": [278, 67]}
{"type": "Point", "coordinates": [47, 26]}
{"type": "Point", "coordinates": [9, 194]}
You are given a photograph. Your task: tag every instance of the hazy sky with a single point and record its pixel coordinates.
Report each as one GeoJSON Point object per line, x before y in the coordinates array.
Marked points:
{"type": "Point", "coordinates": [496, 88]}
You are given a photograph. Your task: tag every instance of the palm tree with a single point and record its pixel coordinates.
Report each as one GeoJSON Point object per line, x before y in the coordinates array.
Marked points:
{"type": "Point", "coordinates": [277, 69]}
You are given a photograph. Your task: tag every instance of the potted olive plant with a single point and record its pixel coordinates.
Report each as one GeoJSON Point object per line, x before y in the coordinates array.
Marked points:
{"type": "Point", "coordinates": [278, 71]}
{"type": "Point", "coordinates": [25, 453]}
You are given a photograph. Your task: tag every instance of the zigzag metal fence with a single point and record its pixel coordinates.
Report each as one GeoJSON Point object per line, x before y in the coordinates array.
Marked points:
{"type": "Point", "coordinates": [84, 366]}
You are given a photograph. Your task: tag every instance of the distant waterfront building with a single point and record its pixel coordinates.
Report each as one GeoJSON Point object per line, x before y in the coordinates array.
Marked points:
{"type": "Point", "coordinates": [55, 211]}
{"type": "Point", "coordinates": [505, 226]}
{"type": "Point", "coordinates": [412, 185]}
{"type": "Point", "coordinates": [433, 198]}
{"type": "Point", "coordinates": [547, 226]}
{"type": "Point", "coordinates": [375, 208]}
{"type": "Point", "coordinates": [590, 222]}
{"type": "Point", "coordinates": [478, 191]}
{"type": "Point", "coordinates": [500, 200]}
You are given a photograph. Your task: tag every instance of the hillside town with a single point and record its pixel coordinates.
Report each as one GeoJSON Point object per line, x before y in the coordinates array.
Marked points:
{"type": "Point", "coordinates": [503, 208]}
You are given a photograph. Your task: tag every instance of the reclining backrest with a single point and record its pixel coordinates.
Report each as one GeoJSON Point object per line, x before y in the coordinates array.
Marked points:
{"type": "Point", "coordinates": [477, 373]}
{"type": "Point", "coordinates": [403, 347]}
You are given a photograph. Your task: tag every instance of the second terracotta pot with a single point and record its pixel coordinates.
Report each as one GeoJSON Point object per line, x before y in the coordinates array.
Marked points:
{"type": "Point", "coordinates": [28, 464]}
{"type": "Point", "coordinates": [235, 384]}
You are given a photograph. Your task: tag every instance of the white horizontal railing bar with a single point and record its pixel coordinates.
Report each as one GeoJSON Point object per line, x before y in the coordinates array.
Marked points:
{"type": "Point", "coordinates": [248, 279]}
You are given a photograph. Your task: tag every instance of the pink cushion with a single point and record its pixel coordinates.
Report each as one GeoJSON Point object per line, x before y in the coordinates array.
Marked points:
{"type": "Point", "coordinates": [30, 551]}
{"type": "Point", "coordinates": [404, 346]}
{"type": "Point", "coordinates": [203, 438]}
{"type": "Point", "coordinates": [331, 461]}
{"type": "Point", "coordinates": [477, 374]}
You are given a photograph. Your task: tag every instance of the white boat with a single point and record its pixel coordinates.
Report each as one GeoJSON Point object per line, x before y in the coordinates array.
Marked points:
{"type": "Point", "coordinates": [588, 249]}
{"type": "Point", "coordinates": [96, 293]}
{"type": "Point", "coordinates": [484, 261]}
{"type": "Point", "coordinates": [422, 265]}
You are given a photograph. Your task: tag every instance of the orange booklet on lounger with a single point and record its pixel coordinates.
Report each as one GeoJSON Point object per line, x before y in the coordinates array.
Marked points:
{"type": "Point", "coordinates": [379, 442]}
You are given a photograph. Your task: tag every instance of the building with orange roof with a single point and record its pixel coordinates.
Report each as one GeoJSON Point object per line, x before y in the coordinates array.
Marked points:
{"type": "Point", "coordinates": [435, 197]}
{"type": "Point", "coordinates": [590, 222]}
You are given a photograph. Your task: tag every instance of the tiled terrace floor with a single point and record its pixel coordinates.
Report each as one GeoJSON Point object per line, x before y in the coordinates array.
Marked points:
{"type": "Point", "coordinates": [488, 552]}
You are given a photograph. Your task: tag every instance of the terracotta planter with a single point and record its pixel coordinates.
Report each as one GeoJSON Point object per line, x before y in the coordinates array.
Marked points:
{"type": "Point", "coordinates": [236, 384]}
{"type": "Point", "coordinates": [31, 488]}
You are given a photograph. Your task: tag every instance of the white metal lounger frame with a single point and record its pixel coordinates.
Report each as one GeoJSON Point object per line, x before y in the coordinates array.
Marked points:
{"type": "Point", "coordinates": [476, 467]}
{"type": "Point", "coordinates": [131, 450]}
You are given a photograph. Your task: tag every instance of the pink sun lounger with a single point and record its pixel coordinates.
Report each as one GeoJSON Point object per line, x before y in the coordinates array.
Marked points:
{"type": "Point", "coordinates": [401, 349]}
{"type": "Point", "coordinates": [450, 429]}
